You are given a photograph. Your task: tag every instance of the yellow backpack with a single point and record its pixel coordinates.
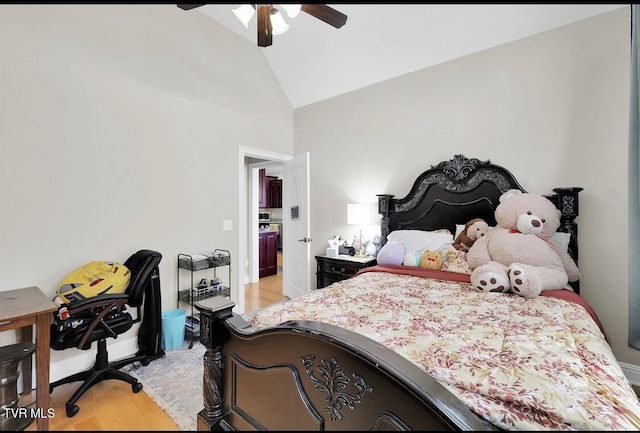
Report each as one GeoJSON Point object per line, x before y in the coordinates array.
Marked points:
{"type": "Point", "coordinates": [92, 279]}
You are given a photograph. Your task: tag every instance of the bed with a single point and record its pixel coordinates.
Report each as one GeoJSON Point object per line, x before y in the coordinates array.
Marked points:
{"type": "Point", "coordinates": [405, 348]}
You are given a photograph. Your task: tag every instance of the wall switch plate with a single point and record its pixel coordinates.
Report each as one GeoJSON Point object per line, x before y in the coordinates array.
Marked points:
{"type": "Point", "coordinates": [227, 225]}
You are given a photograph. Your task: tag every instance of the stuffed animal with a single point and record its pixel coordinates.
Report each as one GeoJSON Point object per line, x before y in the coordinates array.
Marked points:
{"type": "Point", "coordinates": [411, 258]}
{"type": "Point", "coordinates": [431, 260]}
{"type": "Point", "coordinates": [392, 253]}
{"type": "Point", "coordinates": [518, 254]}
{"type": "Point", "coordinates": [473, 230]}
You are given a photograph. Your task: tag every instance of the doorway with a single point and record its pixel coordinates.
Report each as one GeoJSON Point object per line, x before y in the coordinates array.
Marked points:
{"type": "Point", "coordinates": [269, 287]}
{"type": "Point", "coordinates": [273, 215]}
{"type": "Point", "coordinates": [251, 160]}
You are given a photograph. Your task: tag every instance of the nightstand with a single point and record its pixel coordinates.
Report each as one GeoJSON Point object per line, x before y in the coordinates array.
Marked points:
{"type": "Point", "coordinates": [332, 269]}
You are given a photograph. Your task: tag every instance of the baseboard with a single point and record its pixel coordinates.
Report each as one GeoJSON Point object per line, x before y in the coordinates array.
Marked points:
{"type": "Point", "coordinates": [118, 349]}
{"type": "Point", "coordinates": [632, 372]}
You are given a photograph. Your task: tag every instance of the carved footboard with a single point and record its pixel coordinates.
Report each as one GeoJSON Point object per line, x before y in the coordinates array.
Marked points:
{"type": "Point", "coordinates": [312, 376]}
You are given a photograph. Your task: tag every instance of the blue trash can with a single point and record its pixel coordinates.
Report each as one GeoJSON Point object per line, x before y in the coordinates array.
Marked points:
{"type": "Point", "coordinates": [173, 322]}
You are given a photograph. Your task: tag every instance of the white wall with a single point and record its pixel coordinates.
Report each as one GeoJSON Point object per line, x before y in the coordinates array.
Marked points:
{"type": "Point", "coordinates": [120, 128]}
{"type": "Point", "coordinates": [552, 108]}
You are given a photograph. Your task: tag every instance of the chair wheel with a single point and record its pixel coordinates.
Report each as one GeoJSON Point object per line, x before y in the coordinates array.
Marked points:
{"type": "Point", "coordinates": [136, 387]}
{"type": "Point", "coordinates": [72, 410]}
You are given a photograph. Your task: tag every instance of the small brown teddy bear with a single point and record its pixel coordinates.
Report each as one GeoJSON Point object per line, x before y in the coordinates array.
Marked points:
{"type": "Point", "coordinates": [473, 230]}
{"type": "Point", "coordinates": [431, 260]}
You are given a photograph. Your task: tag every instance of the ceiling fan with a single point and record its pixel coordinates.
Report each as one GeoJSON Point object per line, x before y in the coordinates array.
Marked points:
{"type": "Point", "coordinates": [266, 11]}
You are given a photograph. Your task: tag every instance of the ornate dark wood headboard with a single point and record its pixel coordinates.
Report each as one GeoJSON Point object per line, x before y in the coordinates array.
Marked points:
{"type": "Point", "coordinates": [460, 189]}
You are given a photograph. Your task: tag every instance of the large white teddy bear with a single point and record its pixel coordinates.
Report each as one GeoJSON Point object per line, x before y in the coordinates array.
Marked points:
{"type": "Point", "coordinates": [518, 254]}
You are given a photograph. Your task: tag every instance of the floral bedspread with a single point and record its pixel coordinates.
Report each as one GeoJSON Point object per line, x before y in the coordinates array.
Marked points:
{"type": "Point", "coordinates": [525, 364]}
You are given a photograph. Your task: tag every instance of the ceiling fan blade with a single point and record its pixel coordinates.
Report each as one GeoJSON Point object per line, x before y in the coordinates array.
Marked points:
{"type": "Point", "coordinates": [265, 36]}
{"type": "Point", "coordinates": [186, 7]}
{"type": "Point", "coordinates": [325, 13]}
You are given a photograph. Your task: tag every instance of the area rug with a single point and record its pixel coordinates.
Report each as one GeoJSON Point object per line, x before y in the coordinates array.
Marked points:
{"type": "Point", "coordinates": [174, 382]}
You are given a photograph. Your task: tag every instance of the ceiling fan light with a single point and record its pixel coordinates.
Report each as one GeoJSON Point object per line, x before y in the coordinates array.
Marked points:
{"type": "Point", "coordinates": [277, 22]}
{"type": "Point", "coordinates": [244, 14]}
{"type": "Point", "coordinates": [292, 10]}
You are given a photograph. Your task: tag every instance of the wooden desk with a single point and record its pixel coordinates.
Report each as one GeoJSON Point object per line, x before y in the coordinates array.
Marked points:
{"type": "Point", "coordinates": [20, 309]}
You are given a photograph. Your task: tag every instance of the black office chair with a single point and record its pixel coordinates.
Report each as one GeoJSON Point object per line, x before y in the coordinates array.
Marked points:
{"type": "Point", "coordinates": [105, 317]}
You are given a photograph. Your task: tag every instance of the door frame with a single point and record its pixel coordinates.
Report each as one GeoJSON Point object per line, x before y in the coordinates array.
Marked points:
{"type": "Point", "coordinates": [248, 224]}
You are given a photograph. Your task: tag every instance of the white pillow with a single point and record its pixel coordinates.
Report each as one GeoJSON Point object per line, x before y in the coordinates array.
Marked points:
{"type": "Point", "coordinates": [421, 240]}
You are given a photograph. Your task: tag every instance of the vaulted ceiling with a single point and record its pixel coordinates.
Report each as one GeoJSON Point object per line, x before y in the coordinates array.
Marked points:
{"type": "Point", "coordinates": [314, 61]}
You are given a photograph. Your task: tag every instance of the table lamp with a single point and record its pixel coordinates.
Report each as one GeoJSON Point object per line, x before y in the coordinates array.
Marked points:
{"type": "Point", "coordinates": [359, 214]}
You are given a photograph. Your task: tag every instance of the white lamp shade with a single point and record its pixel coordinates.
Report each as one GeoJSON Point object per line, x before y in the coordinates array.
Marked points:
{"type": "Point", "coordinates": [278, 26]}
{"type": "Point", "coordinates": [292, 10]}
{"type": "Point", "coordinates": [244, 14]}
{"type": "Point", "coordinates": [359, 213]}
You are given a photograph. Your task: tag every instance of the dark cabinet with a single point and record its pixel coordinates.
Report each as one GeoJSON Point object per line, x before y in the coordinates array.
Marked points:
{"type": "Point", "coordinates": [269, 190]}
{"type": "Point", "coordinates": [263, 188]}
{"type": "Point", "coordinates": [275, 192]}
{"type": "Point", "coordinates": [267, 253]}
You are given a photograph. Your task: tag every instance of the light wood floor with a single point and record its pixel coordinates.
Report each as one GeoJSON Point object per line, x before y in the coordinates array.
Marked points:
{"type": "Point", "coordinates": [111, 405]}
{"type": "Point", "coordinates": [266, 291]}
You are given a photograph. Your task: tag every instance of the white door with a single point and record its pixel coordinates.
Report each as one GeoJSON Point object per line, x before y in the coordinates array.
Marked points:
{"type": "Point", "coordinates": [296, 225]}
